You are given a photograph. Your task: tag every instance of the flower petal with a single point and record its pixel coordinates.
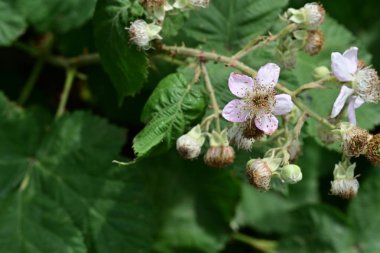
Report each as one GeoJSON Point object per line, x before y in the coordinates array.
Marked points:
{"type": "Point", "coordinates": [355, 102]}
{"type": "Point", "coordinates": [268, 75]}
{"type": "Point", "coordinates": [283, 104]}
{"type": "Point", "coordinates": [240, 85]}
{"type": "Point", "coordinates": [266, 123]}
{"type": "Point", "coordinates": [352, 55]}
{"type": "Point", "coordinates": [344, 66]}
{"type": "Point", "coordinates": [344, 93]}
{"type": "Point", "coordinates": [236, 111]}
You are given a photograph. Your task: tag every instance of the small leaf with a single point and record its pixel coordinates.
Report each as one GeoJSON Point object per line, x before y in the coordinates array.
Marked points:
{"type": "Point", "coordinates": [12, 24]}
{"type": "Point", "coordinates": [170, 110]}
{"type": "Point", "coordinates": [126, 66]}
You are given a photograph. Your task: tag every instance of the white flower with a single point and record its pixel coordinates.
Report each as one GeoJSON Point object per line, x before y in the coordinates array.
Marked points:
{"type": "Point", "coordinates": [258, 100]}
{"type": "Point", "coordinates": [142, 33]}
{"type": "Point", "coordinates": [365, 83]}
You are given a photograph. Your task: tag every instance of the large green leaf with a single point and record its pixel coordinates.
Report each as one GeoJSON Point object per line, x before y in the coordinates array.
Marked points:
{"type": "Point", "coordinates": [364, 214]}
{"type": "Point", "coordinates": [233, 23]}
{"type": "Point", "coordinates": [173, 106]}
{"type": "Point", "coordinates": [32, 223]}
{"type": "Point", "coordinates": [192, 217]}
{"type": "Point", "coordinates": [70, 163]}
{"type": "Point", "coordinates": [126, 66]}
{"type": "Point", "coordinates": [317, 229]}
{"type": "Point", "coordinates": [56, 15]}
{"type": "Point", "coordinates": [12, 24]}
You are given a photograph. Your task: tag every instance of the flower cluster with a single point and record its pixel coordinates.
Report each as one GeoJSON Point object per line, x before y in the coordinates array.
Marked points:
{"type": "Point", "coordinates": [142, 33]}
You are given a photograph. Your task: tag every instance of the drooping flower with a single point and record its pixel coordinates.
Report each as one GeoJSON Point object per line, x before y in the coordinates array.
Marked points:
{"type": "Point", "coordinates": [312, 14]}
{"type": "Point", "coordinates": [345, 184]}
{"type": "Point", "coordinates": [189, 145]}
{"type": "Point", "coordinates": [142, 33]}
{"type": "Point", "coordinates": [364, 83]}
{"type": "Point", "coordinates": [258, 103]}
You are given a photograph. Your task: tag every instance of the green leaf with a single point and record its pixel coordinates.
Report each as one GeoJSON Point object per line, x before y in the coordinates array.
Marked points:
{"type": "Point", "coordinates": [34, 224]}
{"type": "Point", "coordinates": [12, 24]}
{"type": "Point", "coordinates": [317, 229]}
{"type": "Point", "coordinates": [56, 15]}
{"type": "Point", "coordinates": [173, 106]}
{"type": "Point", "coordinates": [192, 217]}
{"type": "Point", "coordinates": [233, 23]}
{"type": "Point", "coordinates": [69, 162]}
{"type": "Point", "coordinates": [364, 214]}
{"type": "Point", "coordinates": [126, 66]}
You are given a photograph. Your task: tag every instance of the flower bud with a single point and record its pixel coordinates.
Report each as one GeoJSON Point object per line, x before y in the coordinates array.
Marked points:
{"type": "Point", "coordinates": [237, 138]}
{"type": "Point", "coordinates": [291, 174]}
{"type": "Point", "coordinates": [321, 72]}
{"type": "Point", "coordinates": [314, 42]}
{"type": "Point", "coordinates": [367, 84]}
{"type": "Point", "coordinates": [354, 139]}
{"type": "Point", "coordinates": [183, 4]}
{"type": "Point", "coordinates": [219, 154]}
{"type": "Point", "coordinates": [373, 150]}
{"type": "Point", "coordinates": [189, 145]}
{"type": "Point", "coordinates": [142, 33]}
{"type": "Point", "coordinates": [260, 171]}
{"type": "Point", "coordinates": [157, 8]}
{"type": "Point", "coordinates": [345, 184]}
{"type": "Point", "coordinates": [312, 14]}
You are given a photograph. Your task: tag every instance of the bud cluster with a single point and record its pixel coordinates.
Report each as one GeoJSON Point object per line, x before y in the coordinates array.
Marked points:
{"type": "Point", "coordinates": [142, 33]}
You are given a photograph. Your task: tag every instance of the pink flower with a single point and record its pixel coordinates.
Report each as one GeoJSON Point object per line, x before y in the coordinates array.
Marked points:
{"type": "Point", "coordinates": [258, 100]}
{"type": "Point", "coordinates": [364, 84]}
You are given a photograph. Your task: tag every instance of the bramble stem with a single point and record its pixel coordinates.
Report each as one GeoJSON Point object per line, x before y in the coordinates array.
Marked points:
{"type": "Point", "coordinates": [70, 74]}
{"type": "Point", "coordinates": [263, 40]}
{"type": "Point", "coordinates": [266, 246]}
{"type": "Point", "coordinates": [211, 92]}
{"type": "Point", "coordinates": [229, 61]}
{"type": "Point", "coordinates": [313, 85]}
{"type": "Point", "coordinates": [27, 89]}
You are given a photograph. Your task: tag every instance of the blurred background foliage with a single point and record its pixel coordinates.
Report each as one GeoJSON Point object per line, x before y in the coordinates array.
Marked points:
{"type": "Point", "coordinates": [162, 204]}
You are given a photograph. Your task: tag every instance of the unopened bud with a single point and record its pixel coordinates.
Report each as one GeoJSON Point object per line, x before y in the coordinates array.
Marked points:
{"type": "Point", "coordinates": [260, 171]}
{"type": "Point", "coordinates": [314, 42]}
{"type": "Point", "coordinates": [183, 4]}
{"type": "Point", "coordinates": [189, 145]}
{"type": "Point", "coordinates": [291, 174]}
{"type": "Point", "coordinates": [142, 33]}
{"type": "Point", "coordinates": [354, 139]}
{"type": "Point", "coordinates": [312, 14]}
{"type": "Point", "coordinates": [373, 150]}
{"type": "Point", "coordinates": [321, 72]}
{"type": "Point", "coordinates": [219, 154]}
{"type": "Point", "coordinates": [157, 7]}
{"type": "Point", "coordinates": [345, 184]}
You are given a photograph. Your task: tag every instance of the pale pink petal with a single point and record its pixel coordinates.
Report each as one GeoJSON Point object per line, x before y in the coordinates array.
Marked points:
{"type": "Point", "coordinates": [283, 104]}
{"type": "Point", "coordinates": [266, 123]}
{"type": "Point", "coordinates": [344, 93]}
{"type": "Point", "coordinates": [236, 111]}
{"type": "Point", "coordinates": [355, 102]}
{"type": "Point", "coordinates": [352, 55]}
{"type": "Point", "coordinates": [342, 67]}
{"type": "Point", "coordinates": [240, 85]}
{"type": "Point", "coordinates": [268, 75]}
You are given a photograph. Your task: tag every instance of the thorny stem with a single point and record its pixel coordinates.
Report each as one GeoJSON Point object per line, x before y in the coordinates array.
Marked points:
{"type": "Point", "coordinates": [263, 40]}
{"type": "Point", "coordinates": [211, 92]}
{"type": "Point", "coordinates": [70, 74]}
{"type": "Point", "coordinates": [27, 89]}
{"type": "Point", "coordinates": [229, 61]}
{"type": "Point", "coordinates": [266, 246]}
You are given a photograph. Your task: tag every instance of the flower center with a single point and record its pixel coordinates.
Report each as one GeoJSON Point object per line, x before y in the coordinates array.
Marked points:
{"type": "Point", "coordinates": [262, 100]}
